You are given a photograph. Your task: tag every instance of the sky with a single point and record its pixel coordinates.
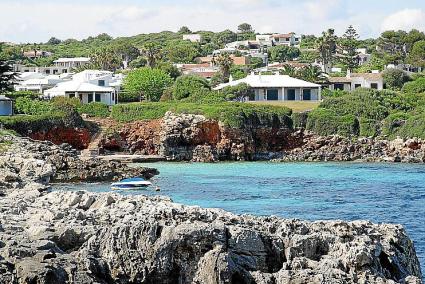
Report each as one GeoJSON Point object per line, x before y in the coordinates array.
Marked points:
{"type": "Point", "coordinates": [37, 21]}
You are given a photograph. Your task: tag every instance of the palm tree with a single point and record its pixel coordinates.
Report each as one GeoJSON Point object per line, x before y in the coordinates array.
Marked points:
{"type": "Point", "coordinates": [289, 70]}
{"type": "Point", "coordinates": [225, 62]}
{"type": "Point", "coordinates": [326, 45]}
{"type": "Point", "coordinates": [152, 52]}
{"type": "Point", "coordinates": [313, 74]}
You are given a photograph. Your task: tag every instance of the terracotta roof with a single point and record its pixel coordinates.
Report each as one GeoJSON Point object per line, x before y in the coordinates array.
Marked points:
{"type": "Point", "coordinates": [281, 35]}
{"type": "Point", "coordinates": [206, 74]}
{"type": "Point", "coordinates": [368, 76]}
{"type": "Point", "coordinates": [193, 66]}
{"type": "Point", "coordinates": [339, 80]}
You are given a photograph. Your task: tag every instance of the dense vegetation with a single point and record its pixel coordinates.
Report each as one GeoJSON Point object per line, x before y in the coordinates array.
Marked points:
{"type": "Point", "coordinates": [231, 114]}
{"type": "Point", "coordinates": [372, 113]}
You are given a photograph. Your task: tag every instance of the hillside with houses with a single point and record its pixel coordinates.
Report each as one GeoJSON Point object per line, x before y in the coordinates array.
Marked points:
{"type": "Point", "coordinates": [327, 78]}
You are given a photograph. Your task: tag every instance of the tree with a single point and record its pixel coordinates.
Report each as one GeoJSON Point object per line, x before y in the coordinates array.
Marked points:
{"type": "Point", "coordinates": [169, 68]}
{"type": "Point", "coordinates": [312, 73]}
{"type": "Point", "coordinates": [126, 51]}
{"type": "Point", "coordinates": [417, 54]}
{"type": "Point", "coordinates": [224, 37]}
{"type": "Point", "coordinates": [347, 53]}
{"type": "Point", "coordinates": [54, 41]}
{"type": "Point", "coordinates": [184, 30]}
{"type": "Point", "coordinates": [256, 62]}
{"type": "Point", "coordinates": [180, 51]}
{"type": "Point", "coordinates": [152, 52]}
{"type": "Point", "coordinates": [145, 84]}
{"type": "Point", "coordinates": [187, 85]}
{"type": "Point", "coordinates": [245, 28]}
{"type": "Point", "coordinates": [289, 70]}
{"type": "Point", "coordinates": [138, 62]}
{"type": "Point", "coordinates": [7, 77]}
{"type": "Point", "coordinates": [225, 62]}
{"type": "Point", "coordinates": [238, 92]}
{"type": "Point", "coordinates": [392, 43]}
{"type": "Point", "coordinates": [105, 59]}
{"type": "Point", "coordinates": [282, 53]}
{"type": "Point", "coordinates": [326, 45]}
{"type": "Point", "coordinates": [394, 78]}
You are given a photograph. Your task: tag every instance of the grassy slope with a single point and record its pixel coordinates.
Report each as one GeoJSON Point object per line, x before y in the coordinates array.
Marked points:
{"type": "Point", "coordinates": [298, 106]}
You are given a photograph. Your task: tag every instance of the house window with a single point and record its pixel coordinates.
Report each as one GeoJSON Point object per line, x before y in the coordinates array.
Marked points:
{"type": "Point", "coordinates": [374, 85]}
{"type": "Point", "coordinates": [97, 97]}
{"type": "Point", "coordinates": [89, 98]}
{"type": "Point", "coordinates": [71, 95]}
{"type": "Point", "coordinates": [307, 95]}
{"type": "Point", "coordinates": [113, 96]}
{"type": "Point", "coordinates": [55, 71]}
{"type": "Point", "coordinates": [64, 71]}
{"type": "Point", "coordinates": [339, 87]}
{"type": "Point", "coordinates": [357, 86]}
{"type": "Point", "coordinates": [291, 95]}
{"type": "Point", "coordinates": [47, 71]}
{"type": "Point", "coordinates": [101, 83]}
{"type": "Point", "coordinates": [81, 97]}
{"type": "Point", "coordinates": [272, 94]}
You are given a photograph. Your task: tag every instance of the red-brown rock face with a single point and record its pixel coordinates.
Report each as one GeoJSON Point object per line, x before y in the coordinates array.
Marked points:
{"type": "Point", "coordinates": [79, 138]}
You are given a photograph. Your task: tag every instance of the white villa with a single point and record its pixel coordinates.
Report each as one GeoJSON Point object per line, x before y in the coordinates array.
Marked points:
{"type": "Point", "coordinates": [353, 81]}
{"type": "Point", "coordinates": [38, 82]}
{"type": "Point", "coordinates": [279, 88]}
{"type": "Point", "coordinates": [89, 86]}
{"type": "Point", "coordinates": [192, 37]}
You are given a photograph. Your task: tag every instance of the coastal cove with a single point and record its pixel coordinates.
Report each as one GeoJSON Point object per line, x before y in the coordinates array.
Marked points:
{"type": "Point", "coordinates": [388, 193]}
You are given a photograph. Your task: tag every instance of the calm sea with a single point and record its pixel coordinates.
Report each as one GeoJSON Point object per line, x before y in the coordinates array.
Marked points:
{"type": "Point", "coordinates": [390, 193]}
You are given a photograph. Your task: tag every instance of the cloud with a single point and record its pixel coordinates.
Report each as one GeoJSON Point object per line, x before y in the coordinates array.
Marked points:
{"type": "Point", "coordinates": [23, 22]}
{"type": "Point", "coordinates": [406, 19]}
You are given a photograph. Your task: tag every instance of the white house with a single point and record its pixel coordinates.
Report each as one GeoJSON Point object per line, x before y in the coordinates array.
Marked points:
{"type": "Point", "coordinates": [6, 106]}
{"type": "Point", "coordinates": [264, 40]}
{"type": "Point", "coordinates": [278, 88]}
{"type": "Point", "coordinates": [38, 82]}
{"type": "Point", "coordinates": [290, 39]}
{"type": "Point", "coordinates": [70, 63]}
{"type": "Point", "coordinates": [89, 86]}
{"type": "Point", "coordinates": [353, 81]}
{"type": "Point", "coordinates": [192, 37]}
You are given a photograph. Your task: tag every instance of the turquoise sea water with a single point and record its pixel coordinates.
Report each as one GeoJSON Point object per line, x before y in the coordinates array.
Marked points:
{"type": "Point", "coordinates": [390, 193]}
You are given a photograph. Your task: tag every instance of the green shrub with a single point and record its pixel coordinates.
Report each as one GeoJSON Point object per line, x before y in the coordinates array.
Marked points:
{"type": "Point", "coordinates": [394, 78]}
{"type": "Point", "coordinates": [326, 122]}
{"type": "Point", "coordinates": [26, 105]}
{"type": "Point", "coordinates": [414, 126]}
{"type": "Point", "coordinates": [188, 85]}
{"type": "Point", "coordinates": [231, 114]}
{"type": "Point", "coordinates": [369, 127]}
{"type": "Point", "coordinates": [415, 87]}
{"type": "Point", "coordinates": [393, 122]}
{"type": "Point", "coordinates": [22, 94]}
{"type": "Point", "coordinates": [204, 96]}
{"type": "Point", "coordinates": [299, 119]}
{"type": "Point", "coordinates": [145, 82]}
{"type": "Point", "coordinates": [96, 109]}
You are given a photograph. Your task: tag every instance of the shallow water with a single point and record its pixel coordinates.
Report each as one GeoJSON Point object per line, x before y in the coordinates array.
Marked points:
{"type": "Point", "coordinates": [390, 193]}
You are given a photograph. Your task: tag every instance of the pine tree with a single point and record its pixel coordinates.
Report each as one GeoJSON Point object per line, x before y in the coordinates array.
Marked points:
{"type": "Point", "coordinates": [347, 53]}
{"type": "Point", "coordinates": [7, 77]}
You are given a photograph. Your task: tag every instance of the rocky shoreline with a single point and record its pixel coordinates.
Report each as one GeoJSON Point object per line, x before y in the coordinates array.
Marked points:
{"type": "Point", "coordinates": [80, 237]}
{"type": "Point", "coordinates": [190, 137]}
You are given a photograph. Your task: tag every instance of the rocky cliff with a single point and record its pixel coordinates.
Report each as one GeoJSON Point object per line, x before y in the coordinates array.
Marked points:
{"type": "Point", "coordinates": [194, 137]}
{"type": "Point", "coordinates": [79, 237]}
